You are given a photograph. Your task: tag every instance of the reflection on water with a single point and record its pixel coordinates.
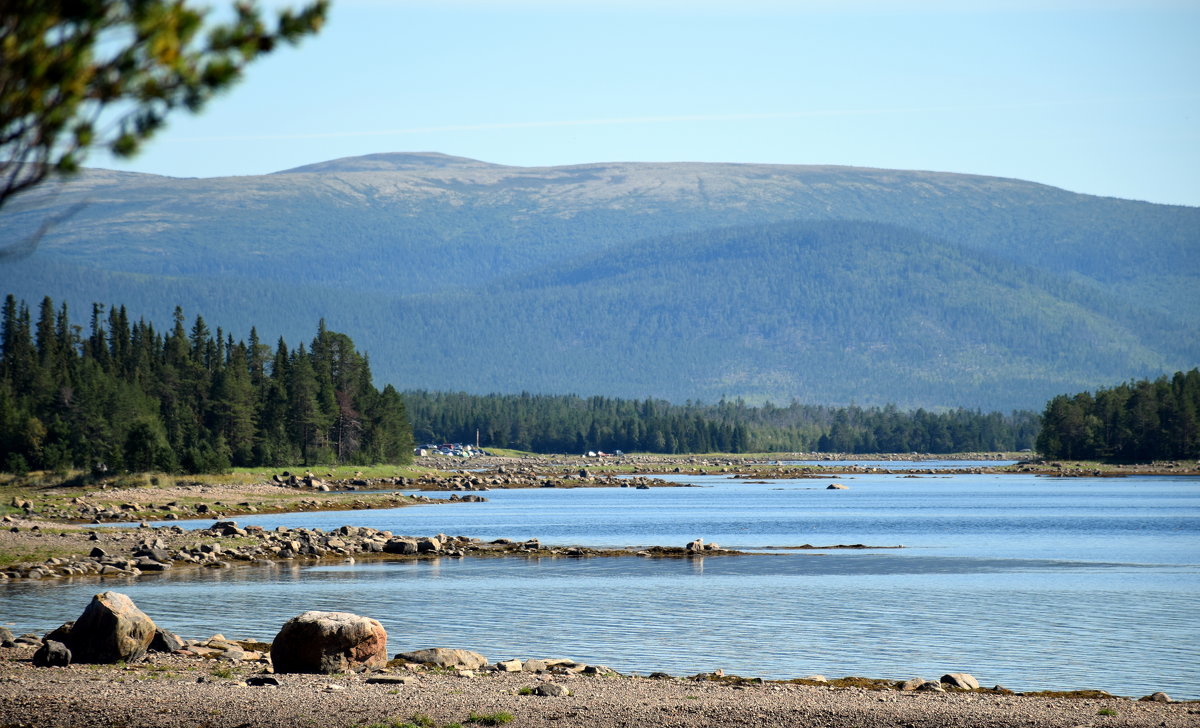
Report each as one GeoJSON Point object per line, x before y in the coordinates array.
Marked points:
{"type": "Point", "coordinates": [902, 464]}
{"type": "Point", "coordinates": [1032, 583]}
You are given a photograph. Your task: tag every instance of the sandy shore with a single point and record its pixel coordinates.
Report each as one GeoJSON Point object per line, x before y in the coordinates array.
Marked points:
{"type": "Point", "coordinates": [170, 690]}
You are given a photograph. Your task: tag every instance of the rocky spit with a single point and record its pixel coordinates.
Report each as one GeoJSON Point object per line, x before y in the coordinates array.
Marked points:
{"type": "Point", "coordinates": [498, 476]}
{"type": "Point", "coordinates": [287, 492]}
{"type": "Point", "coordinates": [225, 544]}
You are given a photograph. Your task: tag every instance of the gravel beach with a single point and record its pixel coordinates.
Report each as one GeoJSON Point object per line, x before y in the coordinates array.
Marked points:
{"type": "Point", "coordinates": [170, 690]}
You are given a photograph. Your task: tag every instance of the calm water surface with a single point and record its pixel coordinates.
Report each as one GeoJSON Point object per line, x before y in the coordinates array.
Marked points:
{"type": "Point", "coordinates": [905, 464]}
{"type": "Point", "coordinates": [1034, 583]}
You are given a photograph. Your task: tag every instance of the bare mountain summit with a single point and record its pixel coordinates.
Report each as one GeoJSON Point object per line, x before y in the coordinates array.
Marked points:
{"type": "Point", "coordinates": [391, 162]}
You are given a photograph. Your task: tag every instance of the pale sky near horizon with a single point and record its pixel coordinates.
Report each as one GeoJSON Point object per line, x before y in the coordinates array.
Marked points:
{"type": "Point", "coordinates": [1095, 96]}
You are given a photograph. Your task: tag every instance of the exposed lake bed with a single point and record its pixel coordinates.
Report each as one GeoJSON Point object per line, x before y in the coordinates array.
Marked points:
{"type": "Point", "coordinates": [172, 691]}
{"type": "Point", "coordinates": [1034, 583]}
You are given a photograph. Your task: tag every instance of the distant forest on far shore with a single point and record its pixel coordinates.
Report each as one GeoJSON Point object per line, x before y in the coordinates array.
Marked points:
{"type": "Point", "coordinates": [1136, 421]}
{"type": "Point", "coordinates": [128, 397]}
{"type": "Point", "coordinates": [566, 423]}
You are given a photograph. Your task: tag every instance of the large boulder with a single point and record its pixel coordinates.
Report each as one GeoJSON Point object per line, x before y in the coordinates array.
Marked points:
{"type": "Point", "coordinates": [111, 629]}
{"type": "Point", "coordinates": [429, 545]}
{"type": "Point", "coordinates": [961, 680]}
{"type": "Point", "coordinates": [535, 666]}
{"type": "Point", "coordinates": [165, 641]}
{"type": "Point", "coordinates": [445, 657]}
{"type": "Point", "coordinates": [60, 634]}
{"type": "Point", "coordinates": [327, 642]}
{"type": "Point", "coordinates": [52, 654]}
{"type": "Point", "coordinates": [400, 546]}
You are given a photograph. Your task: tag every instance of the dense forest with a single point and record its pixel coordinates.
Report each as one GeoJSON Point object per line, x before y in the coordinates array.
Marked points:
{"type": "Point", "coordinates": [546, 423]}
{"type": "Point", "coordinates": [1136, 421]}
{"type": "Point", "coordinates": [127, 397]}
{"type": "Point", "coordinates": [124, 396]}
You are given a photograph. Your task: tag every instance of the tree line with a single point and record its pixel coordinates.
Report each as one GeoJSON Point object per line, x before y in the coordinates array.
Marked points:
{"type": "Point", "coordinates": [123, 396]}
{"type": "Point", "coordinates": [1136, 421]}
{"type": "Point", "coordinates": [568, 423]}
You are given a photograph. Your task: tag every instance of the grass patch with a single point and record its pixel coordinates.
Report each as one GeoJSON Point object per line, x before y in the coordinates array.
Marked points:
{"type": "Point", "coordinates": [490, 718]}
{"type": "Point", "coordinates": [325, 472]}
{"type": "Point", "coordinates": [1106, 711]}
{"type": "Point", "coordinates": [35, 554]}
{"type": "Point", "coordinates": [847, 682]}
{"type": "Point", "coordinates": [417, 720]}
{"type": "Point", "coordinates": [503, 452]}
{"type": "Point", "coordinates": [224, 673]}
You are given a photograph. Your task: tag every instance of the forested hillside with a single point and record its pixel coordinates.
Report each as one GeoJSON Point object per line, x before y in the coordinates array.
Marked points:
{"type": "Point", "coordinates": [128, 397]}
{"type": "Point", "coordinates": [830, 312]}
{"type": "Point", "coordinates": [823, 284]}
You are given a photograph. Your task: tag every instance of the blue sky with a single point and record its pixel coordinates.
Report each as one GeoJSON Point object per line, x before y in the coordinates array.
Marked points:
{"type": "Point", "coordinates": [1097, 96]}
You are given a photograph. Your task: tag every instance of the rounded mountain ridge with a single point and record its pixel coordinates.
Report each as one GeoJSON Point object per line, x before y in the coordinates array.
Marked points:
{"type": "Point", "coordinates": [391, 161]}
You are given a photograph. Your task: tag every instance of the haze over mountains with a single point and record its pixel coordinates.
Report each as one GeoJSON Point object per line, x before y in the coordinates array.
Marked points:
{"type": "Point", "coordinates": [685, 280]}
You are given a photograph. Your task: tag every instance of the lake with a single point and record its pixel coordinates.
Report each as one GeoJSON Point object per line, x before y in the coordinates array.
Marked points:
{"type": "Point", "coordinates": [1026, 581]}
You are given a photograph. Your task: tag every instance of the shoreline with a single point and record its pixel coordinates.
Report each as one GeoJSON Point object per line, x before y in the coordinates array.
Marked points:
{"type": "Point", "coordinates": [48, 528]}
{"type": "Point", "coordinates": [149, 498]}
